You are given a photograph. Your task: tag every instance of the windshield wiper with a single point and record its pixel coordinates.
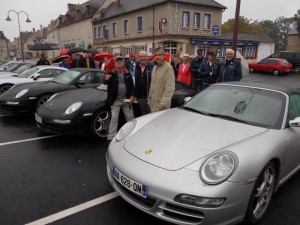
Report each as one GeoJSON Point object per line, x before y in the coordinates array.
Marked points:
{"type": "Point", "coordinates": [194, 110]}
{"type": "Point", "coordinates": [227, 117]}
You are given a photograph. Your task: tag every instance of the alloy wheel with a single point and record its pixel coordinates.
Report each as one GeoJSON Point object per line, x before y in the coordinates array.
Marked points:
{"type": "Point", "coordinates": [101, 123]}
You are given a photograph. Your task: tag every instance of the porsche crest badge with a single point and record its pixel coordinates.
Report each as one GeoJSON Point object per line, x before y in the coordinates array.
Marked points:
{"type": "Point", "coordinates": [148, 151]}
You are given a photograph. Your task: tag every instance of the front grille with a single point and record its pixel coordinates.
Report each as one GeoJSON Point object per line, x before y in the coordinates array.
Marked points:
{"type": "Point", "coordinates": [183, 214]}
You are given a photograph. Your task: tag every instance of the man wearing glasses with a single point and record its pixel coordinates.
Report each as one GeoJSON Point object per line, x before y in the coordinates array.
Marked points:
{"type": "Point", "coordinates": [195, 68]}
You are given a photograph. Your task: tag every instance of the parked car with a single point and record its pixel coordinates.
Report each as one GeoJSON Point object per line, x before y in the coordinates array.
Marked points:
{"type": "Point", "coordinates": [79, 111]}
{"type": "Point", "coordinates": [36, 73]}
{"type": "Point", "coordinates": [271, 65]}
{"type": "Point", "coordinates": [16, 69]}
{"type": "Point", "coordinates": [291, 56]}
{"type": "Point", "coordinates": [216, 160]}
{"type": "Point", "coordinates": [6, 65]}
{"type": "Point", "coordinates": [28, 96]}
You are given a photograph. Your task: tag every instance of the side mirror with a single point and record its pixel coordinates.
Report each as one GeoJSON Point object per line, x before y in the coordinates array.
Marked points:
{"type": "Point", "coordinates": [295, 122]}
{"type": "Point", "coordinates": [36, 76]}
{"type": "Point", "coordinates": [5, 67]}
{"type": "Point", "coordinates": [187, 99]}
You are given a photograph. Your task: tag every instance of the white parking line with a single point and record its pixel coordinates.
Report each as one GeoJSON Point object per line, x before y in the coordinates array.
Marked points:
{"type": "Point", "coordinates": [73, 210]}
{"type": "Point", "coordinates": [26, 140]}
{"type": "Point", "coordinates": [7, 115]}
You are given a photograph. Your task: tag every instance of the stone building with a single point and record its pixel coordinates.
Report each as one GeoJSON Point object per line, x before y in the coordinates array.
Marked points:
{"type": "Point", "coordinates": [134, 25]}
{"type": "Point", "coordinates": [4, 47]}
{"type": "Point", "coordinates": [293, 41]}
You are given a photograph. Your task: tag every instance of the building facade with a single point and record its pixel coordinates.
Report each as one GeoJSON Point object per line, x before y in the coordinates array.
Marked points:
{"type": "Point", "coordinates": [130, 26]}
{"type": "Point", "coordinates": [293, 41]}
{"type": "Point", "coordinates": [4, 47]}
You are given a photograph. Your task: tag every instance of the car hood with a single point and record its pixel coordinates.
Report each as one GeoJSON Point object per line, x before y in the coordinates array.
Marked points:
{"type": "Point", "coordinates": [64, 99]}
{"type": "Point", "coordinates": [178, 138]}
{"type": "Point", "coordinates": [14, 79]}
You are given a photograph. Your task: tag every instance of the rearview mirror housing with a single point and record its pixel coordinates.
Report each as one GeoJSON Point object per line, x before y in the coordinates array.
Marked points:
{"type": "Point", "coordinates": [36, 76]}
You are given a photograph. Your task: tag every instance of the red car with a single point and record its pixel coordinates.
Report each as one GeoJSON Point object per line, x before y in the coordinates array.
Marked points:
{"type": "Point", "coordinates": [271, 65]}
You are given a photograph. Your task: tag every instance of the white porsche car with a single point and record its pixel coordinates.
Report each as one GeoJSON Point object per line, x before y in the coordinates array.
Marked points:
{"type": "Point", "coordinates": [217, 160]}
{"type": "Point", "coordinates": [36, 73]}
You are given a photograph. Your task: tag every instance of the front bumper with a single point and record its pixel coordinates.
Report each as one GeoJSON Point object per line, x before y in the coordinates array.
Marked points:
{"type": "Point", "coordinates": [75, 126]}
{"type": "Point", "coordinates": [164, 186]}
{"type": "Point", "coordinates": [17, 106]}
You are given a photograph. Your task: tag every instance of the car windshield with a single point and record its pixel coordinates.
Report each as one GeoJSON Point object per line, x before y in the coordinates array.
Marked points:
{"type": "Point", "coordinates": [254, 106]}
{"type": "Point", "coordinates": [284, 61]}
{"type": "Point", "coordinates": [20, 69]}
{"type": "Point", "coordinates": [66, 77]}
{"type": "Point", "coordinates": [11, 66]}
{"type": "Point", "coordinates": [29, 72]}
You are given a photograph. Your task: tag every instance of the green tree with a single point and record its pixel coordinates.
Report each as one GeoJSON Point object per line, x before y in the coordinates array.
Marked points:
{"type": "Point", "coordinates": [245, 26]}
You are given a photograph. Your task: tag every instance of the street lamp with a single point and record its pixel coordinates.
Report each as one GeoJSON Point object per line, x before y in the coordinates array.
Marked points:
{"type": "Point", "coordinates": [27, 21]}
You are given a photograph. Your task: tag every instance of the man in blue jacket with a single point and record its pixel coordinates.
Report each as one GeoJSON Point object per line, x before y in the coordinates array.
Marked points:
{"type": "Point", "coordinates": [209, 70]}
{"type": "Point", "coordinates": [231, 69]}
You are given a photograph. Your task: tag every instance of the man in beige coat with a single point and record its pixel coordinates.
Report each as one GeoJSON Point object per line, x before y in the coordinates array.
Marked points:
{"type": "Point", "coordinates": [162, 83]}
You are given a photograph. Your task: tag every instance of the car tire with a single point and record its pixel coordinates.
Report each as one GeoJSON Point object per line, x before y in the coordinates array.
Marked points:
{"type": "Point", "coordinates": [251, 70]}
{"type": "Point", "coordinates": [261, 195]}
{"type": "Point", "coordinates": [100, 124]}
{"type": "Point", "coordinates": [276, 72]}
{"type": "Point", "coordinates": [297, 69]}
{"type": "Point", "coordinates": [41, 100]}
{"type": "Point", "coordinates": [5, 87]}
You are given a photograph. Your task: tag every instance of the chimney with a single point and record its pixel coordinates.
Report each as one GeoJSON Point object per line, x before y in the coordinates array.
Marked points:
{"type": "Point", "coordinates": [118, 3]}
{"type": "Point", "coordinates": [33, 30]}
{"type": "Point", "coordinates": [41, 28]}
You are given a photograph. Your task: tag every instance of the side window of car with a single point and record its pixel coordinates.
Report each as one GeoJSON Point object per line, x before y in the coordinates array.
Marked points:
{"type": "Point", "coordinates": [56, 72]}
{"type": "Point", "coordinates": [273, 62]}
{"type": "Point", "coordinates": [287, 55]}
{"type": "Point", "coordinates": [264, 61]}
{"type": "Point", "coordinates": [47, 73]}
{"type": "Point", "coordinates": [294, 106]}
{"type": "Point", "coordinates": [297, 56]}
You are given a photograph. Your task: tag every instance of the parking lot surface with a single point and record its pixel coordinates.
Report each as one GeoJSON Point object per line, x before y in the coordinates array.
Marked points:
{"type": "Point", "coordinates": [52, 179]}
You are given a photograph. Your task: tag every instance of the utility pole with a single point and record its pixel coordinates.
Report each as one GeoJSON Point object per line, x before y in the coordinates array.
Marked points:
{"type": "Point", "coordinates": [236, 25]}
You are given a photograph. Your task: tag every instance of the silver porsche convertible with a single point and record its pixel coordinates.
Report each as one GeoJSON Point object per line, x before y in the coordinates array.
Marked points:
{"type": "Point", "coordinates": [216, 160]}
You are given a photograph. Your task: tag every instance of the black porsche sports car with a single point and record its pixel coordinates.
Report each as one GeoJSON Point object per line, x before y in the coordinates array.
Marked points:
{"type": "Point", "coordinates": [28, 96]}
{"type": "Point", "coordinates": [87, 110]}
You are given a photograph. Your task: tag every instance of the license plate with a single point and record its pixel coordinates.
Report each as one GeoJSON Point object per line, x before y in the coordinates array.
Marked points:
{"type": "Point", "coordinates": [38, 118]}
{"type": "Point", "coordinates": [130, 184]}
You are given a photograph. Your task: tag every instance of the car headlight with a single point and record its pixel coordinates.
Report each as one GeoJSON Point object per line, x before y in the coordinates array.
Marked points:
{"type": "Point", "coordinates": [125, 130]}
{"type": "Point", "coordinates": [72, 108]}
{"type": "Point", "coordinates": [217, 168]}
{"type": "Point", "coordinates": [21, 93]}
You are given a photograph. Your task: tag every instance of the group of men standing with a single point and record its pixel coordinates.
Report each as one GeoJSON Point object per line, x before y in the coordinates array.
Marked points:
{"type": "Point", "coordinates": [207, 71]}
{"type": "Point", "coordinates": [151, 86]}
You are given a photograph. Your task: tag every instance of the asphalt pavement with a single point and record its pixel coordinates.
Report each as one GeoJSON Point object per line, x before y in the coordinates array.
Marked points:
{"type": "Point", "coordinates": [61, 180]}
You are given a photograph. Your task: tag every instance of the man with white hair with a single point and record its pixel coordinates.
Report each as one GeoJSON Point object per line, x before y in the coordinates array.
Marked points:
{"type": "Point", "coordinates": [231, 69]}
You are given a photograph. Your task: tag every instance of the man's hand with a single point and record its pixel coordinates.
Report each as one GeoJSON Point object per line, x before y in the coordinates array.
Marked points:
{"type": "Point", "coordinates": [131, 99]}
{"type": "Point", "coordinates": [107, 77]}
{"type": "Point", "coordinates": [161, 107]}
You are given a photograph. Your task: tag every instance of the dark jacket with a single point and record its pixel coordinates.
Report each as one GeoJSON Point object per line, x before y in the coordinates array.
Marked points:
{"type": "Point", "coordinates": [113, 85]}
{"type": "Point", "coordinates": [92, 63]}
{"type": "Point", "coordinates": [196, 66]}
{"type": "Point", "coordinates": [230, 71]}
{"type": "Point", "coordinates": [205, 70]}
{"type": "Point", "coordinates": [142, 80]}
{"type": "Point", "coordinates": [42, 62]}
{"type": "Point", "coordinates": [77, 63]}
{"type": "Point", "coordinates": [175, 68]}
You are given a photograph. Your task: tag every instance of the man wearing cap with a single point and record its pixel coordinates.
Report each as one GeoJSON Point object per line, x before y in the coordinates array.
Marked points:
{"type": "Point", "coordinates": [231, 69]}
{"type": "Point", "coordinates": [162, 84]}
{"type": "Point", "coordinates": [209, 70]}
{"type": "Point", "coordinates": [195, 69]}
{"type": "Point", "coordinates": [119, 88]}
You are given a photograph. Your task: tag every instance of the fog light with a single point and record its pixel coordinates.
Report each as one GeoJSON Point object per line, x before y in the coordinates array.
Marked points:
{"type": "Point", "coordinates": [199, 201]}
{"type": "Point", "coordinates": [61, 121]}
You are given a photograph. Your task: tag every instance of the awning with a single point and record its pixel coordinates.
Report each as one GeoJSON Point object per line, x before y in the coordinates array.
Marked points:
{"type": "Point", "coordinates": [223, 42]}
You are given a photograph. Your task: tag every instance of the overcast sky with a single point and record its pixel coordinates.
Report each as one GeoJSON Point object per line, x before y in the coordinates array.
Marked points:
{"type": "Point", "coordinates": [41, 12]}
